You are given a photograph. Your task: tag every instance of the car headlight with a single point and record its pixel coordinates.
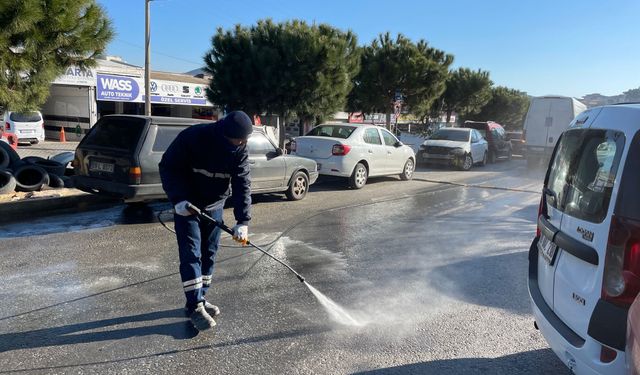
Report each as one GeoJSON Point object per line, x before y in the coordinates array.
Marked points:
{"type": "Point", "coordinates": [457, 151]}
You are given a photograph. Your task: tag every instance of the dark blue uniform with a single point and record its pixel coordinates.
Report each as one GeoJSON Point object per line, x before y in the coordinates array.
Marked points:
{"type": "Point", "coordinates": [199, 167]}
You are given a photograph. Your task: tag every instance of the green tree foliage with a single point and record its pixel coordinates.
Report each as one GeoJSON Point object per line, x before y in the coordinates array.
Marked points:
{"type": "Point", "coordinates": [632, 95]}
{"type": "Point", "coordinates": [466, 93]}
{"type": "Point", "coordinates": [506, 107]}
{"type": "Point", "coordinates": [415, 70]}
{"type": "Point", "coordinates": [39, 39]}
{"type": "Point", "coordinates": [289, 68]}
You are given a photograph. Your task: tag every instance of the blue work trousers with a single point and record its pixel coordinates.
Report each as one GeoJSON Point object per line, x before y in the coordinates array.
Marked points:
{"type": "Point", "coordinates": [198, 241]}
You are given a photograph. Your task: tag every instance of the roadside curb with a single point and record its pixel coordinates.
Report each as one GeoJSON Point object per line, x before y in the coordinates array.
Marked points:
{"type": "Point", "coordinates": [48, 205]}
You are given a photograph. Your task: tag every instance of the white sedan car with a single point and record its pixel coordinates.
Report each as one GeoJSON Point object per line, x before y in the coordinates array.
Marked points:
{"type": "Point", "coordinates": [455, 147]}
{"type": "Point", "coordinates": [356, 152]}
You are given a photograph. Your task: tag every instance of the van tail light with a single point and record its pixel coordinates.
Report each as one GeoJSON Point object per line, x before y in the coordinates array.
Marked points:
{"type": "Point", "coordinates": [293, 146]}
{"type": "Point", "coordinates": [607, 355]}
{"type": "Point", "coordinates": [135, 175]}
{"type": "Point", "coordinates": [621, 280]}
{"type": "Point", "coordinates": [7, 126]}
{"type": "Point", "coordinates": [340, 149]}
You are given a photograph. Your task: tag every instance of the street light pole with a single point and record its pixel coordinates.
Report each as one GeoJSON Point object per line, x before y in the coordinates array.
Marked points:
{"type": "Point", "coordinates": [147, 68]}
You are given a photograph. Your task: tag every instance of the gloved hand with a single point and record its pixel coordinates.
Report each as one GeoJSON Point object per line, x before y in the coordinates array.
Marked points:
{"type": "Point", "coordinates": [182, 210]}
{"type": "Point", "coordinates": [241, 233]}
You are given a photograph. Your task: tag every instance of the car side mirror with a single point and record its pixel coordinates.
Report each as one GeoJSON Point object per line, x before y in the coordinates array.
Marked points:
{"type": "Point", "coordinates": [398, 144]}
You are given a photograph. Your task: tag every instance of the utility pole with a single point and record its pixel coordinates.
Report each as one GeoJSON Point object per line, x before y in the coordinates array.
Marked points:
{"type": "Point", "coordinates": [147, 68]}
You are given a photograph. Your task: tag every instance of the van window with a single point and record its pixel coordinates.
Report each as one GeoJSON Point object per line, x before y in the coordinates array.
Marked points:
{"type": "Point", "coordinates": [164, 136]}
{"type": "Point", "coordinates": [121, 133]}
{"type": "Point", "coordinates": [25, 117]}
{"type": "Point", "coordinates": [628, 204]}
{"type": "Point", "coordinates": [583, 172]}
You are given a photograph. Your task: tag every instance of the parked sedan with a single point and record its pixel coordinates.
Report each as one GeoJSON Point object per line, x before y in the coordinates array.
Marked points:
{"type": "Point", "coordinates": [356, 152]}
{"type": "Point", "coordinates": [461, 148]}
{"type": "Point", "coordinates": [119, 157]}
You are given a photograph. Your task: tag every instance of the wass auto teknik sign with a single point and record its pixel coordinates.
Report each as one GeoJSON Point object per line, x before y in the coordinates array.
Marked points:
{"type": "Point", "coordinates": [131, 89]}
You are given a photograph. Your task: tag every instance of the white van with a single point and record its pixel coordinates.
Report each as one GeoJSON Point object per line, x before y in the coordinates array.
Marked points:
{"type": "Point", "coordinates": [584, 263]}
{"type": "Point", "coordinates": [547, 118]}
{"type": "Point", "coordinates": [28, 127]}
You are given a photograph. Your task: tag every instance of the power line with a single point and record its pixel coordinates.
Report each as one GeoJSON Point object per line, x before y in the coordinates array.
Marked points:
{"type": "Point", "coordinates": [200, 64]}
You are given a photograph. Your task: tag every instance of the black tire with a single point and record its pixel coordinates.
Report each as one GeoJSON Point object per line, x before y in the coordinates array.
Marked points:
{"type": "Point", "coordinates": [467, 162]}
{"type": "Point", "coordinates": [7, 182]}
{"type": "Point", "coordinates": [359, 176]}
{"type": "Point", "coordinates": [5, 160]}
{"type": "Point", "coordinates": [13, 155]}
{"type": "Point", "coordinates": [298, 187]}
{"type": "Point", "coordinates": [30, 178]}
{"type": "Point", "coordinates": [407, 171]}
{"type": "Point", "coordinates": [492, 157]}
{"type": "Point", "coordinates": [55, 181]}
{"type": "Point", "coordinates": [32, 159]}
{"type": "Point", "coordinates": [51, 166]}
{"type": "Point", "coordinates": [484, 160]}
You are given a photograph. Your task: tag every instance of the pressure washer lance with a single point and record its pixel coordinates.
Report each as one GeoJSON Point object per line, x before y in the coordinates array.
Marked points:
{"type": "Point", "coordinates": [228, 230]}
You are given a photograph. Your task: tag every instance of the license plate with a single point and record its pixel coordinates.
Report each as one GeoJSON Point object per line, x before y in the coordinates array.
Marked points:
{"type": "Point", "coordinates": [319, 166]}
{"type": "Point", "coordinates": [547, 249]}
{"type": "Point", "coordinates": [101, 167]}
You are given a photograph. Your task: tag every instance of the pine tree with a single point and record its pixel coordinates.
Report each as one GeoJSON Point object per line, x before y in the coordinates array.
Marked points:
{"type": "Point", "coordinates": [39, 39]}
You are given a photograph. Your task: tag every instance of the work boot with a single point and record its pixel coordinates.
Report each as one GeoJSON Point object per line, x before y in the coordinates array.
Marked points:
{"type": "Point", "coordinates": [201, 319]}
{"type": "Point", "coordinates": [212, 309]}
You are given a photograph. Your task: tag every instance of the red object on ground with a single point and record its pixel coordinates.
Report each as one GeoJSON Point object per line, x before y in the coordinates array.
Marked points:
{"type": "Point", "coordinates": [63, 138]}
{"type": "Point", "coordinates": [12, 139]}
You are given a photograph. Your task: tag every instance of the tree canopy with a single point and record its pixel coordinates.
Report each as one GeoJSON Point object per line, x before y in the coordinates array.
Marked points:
{"type": "Point", "coordinates": [39, 39]}
{"type": "Point", "coordinates": [282, 68]}
{"type": "Point", "coordinates": [506, 107]}
{"type": "Point", "coordinates": [467, 91]}
{"type": "Point", "coordinates": [389, 66]}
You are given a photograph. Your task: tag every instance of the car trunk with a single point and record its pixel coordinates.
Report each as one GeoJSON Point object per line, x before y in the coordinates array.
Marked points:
{"type": "Point", "coordinates": [316, 147]}
{"type": "Point", "coordinates": [26, 125]}
{"type": "Point", "coordinates": [580, 186]}
{"type": "Point", "coordinates": [108, 151]}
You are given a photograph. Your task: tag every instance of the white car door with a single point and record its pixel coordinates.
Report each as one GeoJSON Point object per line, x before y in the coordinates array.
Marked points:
{"type": "Point", "coordinates": [396, 157]}
{"type": "Point", "coordinates": [477, 147]}
{"type": "Point", "coordinates": [375, 151]}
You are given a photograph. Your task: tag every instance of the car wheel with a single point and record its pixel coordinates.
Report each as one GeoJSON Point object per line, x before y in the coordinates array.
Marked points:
{"type": "Point", "coordinates": [484, 159]}
{"type": "Point", "coordinates": [298, 187]}
{"type": "Point", "coordinates": [407, 172]}
{"type": "Point", "coordinates": [467, 162]}
{"type": "Point", "coordinates": [359, 176]}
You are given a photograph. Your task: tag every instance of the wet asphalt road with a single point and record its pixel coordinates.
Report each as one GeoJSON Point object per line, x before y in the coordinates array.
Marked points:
{"type": "Point", "coordinates": [436, 271]}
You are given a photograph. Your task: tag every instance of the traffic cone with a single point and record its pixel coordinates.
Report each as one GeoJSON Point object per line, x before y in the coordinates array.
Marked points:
{"type": "Point", "coordinates": [63, 138]}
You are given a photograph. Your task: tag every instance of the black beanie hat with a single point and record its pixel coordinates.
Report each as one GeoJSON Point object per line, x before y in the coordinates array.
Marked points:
{"type": "Point", "coordinates": [237, 125]}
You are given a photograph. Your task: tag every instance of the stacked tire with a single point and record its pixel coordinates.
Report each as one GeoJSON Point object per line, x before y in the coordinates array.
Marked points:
{"type": "Point", "coordinates": [31, 173]}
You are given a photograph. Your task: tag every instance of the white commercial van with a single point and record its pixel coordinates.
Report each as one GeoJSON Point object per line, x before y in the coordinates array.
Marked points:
{"type": "Point", "coordinates": [547, 118]}
{"type": "Point", "coordinates": [584, 263]}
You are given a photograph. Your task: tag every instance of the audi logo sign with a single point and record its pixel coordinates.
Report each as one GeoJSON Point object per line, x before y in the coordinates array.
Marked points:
{"type": "Point", "coordinates": [173, 89]}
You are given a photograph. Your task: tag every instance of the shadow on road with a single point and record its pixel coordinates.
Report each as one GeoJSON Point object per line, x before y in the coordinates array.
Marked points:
{"type": "Point", "coordinates": [466, 280]}
{"type": "Point", "coordinates": [75, 333]}
{"type": "Point", "coordinates": [542, 361]}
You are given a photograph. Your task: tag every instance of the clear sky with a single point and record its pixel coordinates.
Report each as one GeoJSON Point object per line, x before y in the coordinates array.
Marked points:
{"type": "Point", "coordinates": [566, 47]}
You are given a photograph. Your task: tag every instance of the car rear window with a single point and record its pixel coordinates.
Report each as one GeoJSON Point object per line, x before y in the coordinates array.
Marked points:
{"type": "Point", "coordinates": [164, 136]}
{"type": "Point", "coordinates": [334, 131]}
{"type": "Point", "coordinates": [25, 116]}
{"type": "Point", "coordinates": [628, 205]}
{"type": "Point", "coordinates": [451, 135]}
{"type": "Point", "coordinates": [121, 133]}
{"type": "Point", "coordinates": [583, 172]}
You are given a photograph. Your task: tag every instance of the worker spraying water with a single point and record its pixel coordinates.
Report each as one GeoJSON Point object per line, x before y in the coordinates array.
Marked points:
{"type": "Point", "coordinates": [196, 171]}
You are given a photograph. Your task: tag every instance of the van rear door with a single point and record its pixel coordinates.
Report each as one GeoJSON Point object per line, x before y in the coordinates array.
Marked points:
{"type": "Point", "coordinates": [587, 185]}
{"type": "Point", "coordinates": [109, 150]}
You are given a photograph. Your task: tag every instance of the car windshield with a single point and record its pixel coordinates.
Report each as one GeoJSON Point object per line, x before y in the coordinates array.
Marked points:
{"type": "Point", "coordinates": [334, 131]}
{"type": "Point", "coordinates": [451, 135]}
{"type": "Point", "coordinates": [25, 116]}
